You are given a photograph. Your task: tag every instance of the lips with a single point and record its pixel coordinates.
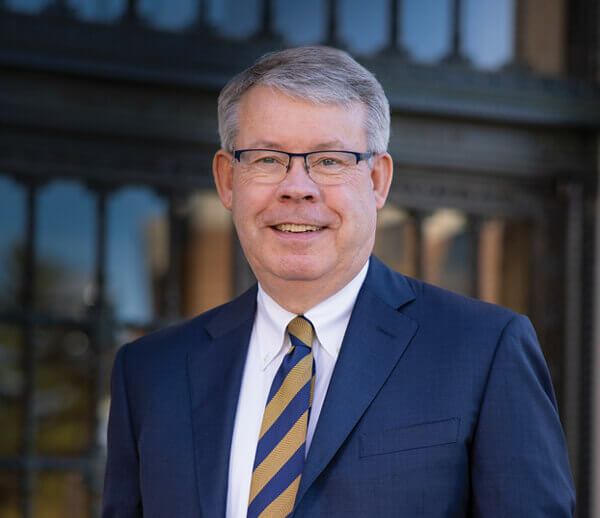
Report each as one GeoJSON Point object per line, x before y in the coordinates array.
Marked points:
{"type": "Point", "coordinates": [294, 228]}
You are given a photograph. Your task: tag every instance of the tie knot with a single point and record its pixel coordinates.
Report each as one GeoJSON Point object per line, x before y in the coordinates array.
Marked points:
{"type": "Point", "coordinates": [302, 329]}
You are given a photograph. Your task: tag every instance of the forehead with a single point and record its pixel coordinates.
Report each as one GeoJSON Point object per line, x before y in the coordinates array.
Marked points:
{"type": "Point", "coordinates": [268, 116]}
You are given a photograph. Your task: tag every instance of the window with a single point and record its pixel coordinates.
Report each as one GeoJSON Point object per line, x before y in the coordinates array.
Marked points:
{"type": "Point", "coordinates": [426, 29]}
{"type": "Point", "coordinates": [488, 32]}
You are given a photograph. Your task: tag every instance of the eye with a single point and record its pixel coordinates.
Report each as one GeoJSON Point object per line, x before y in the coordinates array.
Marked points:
{"type": "Point", "coordinates": [331, 161]}
{"type": "Point", "coordinates": [327, 161]}
{"type": "Point", "coordinates": [268, 160]}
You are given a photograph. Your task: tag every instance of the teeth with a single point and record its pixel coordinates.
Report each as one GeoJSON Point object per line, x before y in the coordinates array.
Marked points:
{"type": "Point", "coordinates": [291, 227]}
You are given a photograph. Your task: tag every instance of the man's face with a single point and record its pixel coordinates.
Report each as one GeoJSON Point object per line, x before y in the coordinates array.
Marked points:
{"type": "Point", "coordinates": [271, 219]}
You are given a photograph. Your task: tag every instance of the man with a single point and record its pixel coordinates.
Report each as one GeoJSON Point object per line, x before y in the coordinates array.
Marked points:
{"type": "Point", "coordinates": [337, 387]}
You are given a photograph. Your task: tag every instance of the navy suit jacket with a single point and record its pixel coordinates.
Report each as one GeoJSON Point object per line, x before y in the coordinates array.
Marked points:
{"type": "Point", "coordinates": [439, 406]}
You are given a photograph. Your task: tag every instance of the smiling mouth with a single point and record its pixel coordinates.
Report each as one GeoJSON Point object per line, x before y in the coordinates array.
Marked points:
{"type": "Point", "coordinates": [293, 228]}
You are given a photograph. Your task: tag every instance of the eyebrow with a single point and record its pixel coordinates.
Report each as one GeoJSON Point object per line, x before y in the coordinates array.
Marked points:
{"type": "Point", "coordinates": [331, 144]}
{"type": "Point", "coordinates": [266, 144]}
{"type": "Point", "coordinates": [322, 146]}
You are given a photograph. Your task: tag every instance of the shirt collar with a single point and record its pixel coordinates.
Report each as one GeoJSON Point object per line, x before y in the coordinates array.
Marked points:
{"type": "Point", "coordinates": [329, 318]}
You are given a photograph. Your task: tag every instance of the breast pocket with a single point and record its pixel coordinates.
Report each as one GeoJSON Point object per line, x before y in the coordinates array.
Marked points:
{"type": "Point", "coordinates": [424, 435]}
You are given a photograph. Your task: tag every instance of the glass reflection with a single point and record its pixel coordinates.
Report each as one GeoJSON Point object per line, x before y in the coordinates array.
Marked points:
{"type": "Point", "coordinates": [301, 23]}
{"type": "Point", "coordinates": [447, 248]}
{"type": "Point", "coordinates": [61, 494]}
{"type": "Point", "coordinates": [27, 6]}
{"type": "Point", "coordinates": [137, 253]}
{"type": "Point", "coordinates": [425, 30]}
{"type": "Point", "coordinates": [63, 400]}
{"type": "Point", "coordinates": [11, 390]}
{"type": "Point", "coordinates": [12, 236]}
{"type": "Point", "coordinates": [208, 255]}
{"type": "Point", "coordinates": [491, 250]}
{"type": "Point", "coordinates": [236, 19]}
{"type": "Point", "coordinates": [65, 249]}
{"type": "Point", "coordinates": [395, 240]}
{"type": "Point", "coordinates": [170, 15]}
{"type": "Point", "coordinates": [363, 26]}
{"type": "Point", "coordinates": [98, 10]}
{"type": "Point", "coordinates": [488, 32]}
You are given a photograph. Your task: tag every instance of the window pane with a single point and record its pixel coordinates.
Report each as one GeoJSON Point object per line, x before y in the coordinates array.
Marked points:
{"type": "Point", "coordinates": [396, 240]}
{"type": "Point", "coordinates": [208, 252]}
{"type": "Point", "coordinates": [488, 32]}
{"type": "Point", "coordinates": [61, 494]}
{"type": "Point", "coordinates": [12, 237]}
{"type": "Point", "coordinates": [98, 10]}
{"type": "Point", "coordinates": [363, 26]}
{"type": "Point", "coordinates": [27, 6]}
{"type": "Point", "coordinates": [65, 249]}
{"type": "Point", "coordinates": [170, 15]}
{"type": "Point", "coordinates": [301, 23]}
{"type": "Point", "coordinates": [447, 249]}
{"type": "Point", "coordinates": [426, 28]}
{"type": "Point", "coordinates": [11, 390]}
{"type": "Point", "coordinates": [236, 18]}
{"type": "Point", "coordinates": [138, 253]}
{"type": "Point", "coordinates": [63, 399]}
{"type": "Point", "coordinates": [9, 495]}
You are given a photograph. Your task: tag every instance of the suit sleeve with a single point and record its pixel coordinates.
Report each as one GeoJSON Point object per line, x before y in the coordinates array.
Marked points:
{"type": "Point", "coordinates": [121, 497]}
{"type": "Point", "coordinates": [519, 464]}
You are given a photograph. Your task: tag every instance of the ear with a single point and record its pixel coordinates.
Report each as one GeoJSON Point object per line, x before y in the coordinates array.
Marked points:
{"type": "Point", "coordinates": [223, 175]}
{"type": "Point", "coordinates": [381, 176]}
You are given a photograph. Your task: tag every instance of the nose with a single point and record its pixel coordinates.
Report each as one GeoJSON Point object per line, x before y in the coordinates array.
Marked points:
{"type": "Point", "coordinates": [297, 184]}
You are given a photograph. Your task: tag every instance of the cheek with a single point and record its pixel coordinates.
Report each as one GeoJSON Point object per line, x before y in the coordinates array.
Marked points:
{"type": "Point", "coordinates": [354, 203]}
{"type": "Point", "coordinates": [248, 199]}
{"type": "Point", "coordinates": [250, 202]}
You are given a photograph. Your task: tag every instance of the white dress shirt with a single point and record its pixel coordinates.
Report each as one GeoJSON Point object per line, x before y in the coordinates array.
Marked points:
{"type": "Point", "coordinates": [268, 345]}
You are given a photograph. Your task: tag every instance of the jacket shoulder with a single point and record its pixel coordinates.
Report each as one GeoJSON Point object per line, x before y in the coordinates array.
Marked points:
{"type": "Point", "coordinates": [181, 336]}
{"type": "Point", "coordinates": [445, 301]}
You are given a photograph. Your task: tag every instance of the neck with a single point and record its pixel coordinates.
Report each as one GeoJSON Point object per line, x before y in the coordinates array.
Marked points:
{"type": "Point", "coordinates": [300, 296]}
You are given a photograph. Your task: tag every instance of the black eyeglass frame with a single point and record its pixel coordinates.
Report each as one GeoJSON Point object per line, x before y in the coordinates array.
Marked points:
{"type": "Point", "coordinates": [359, 156]}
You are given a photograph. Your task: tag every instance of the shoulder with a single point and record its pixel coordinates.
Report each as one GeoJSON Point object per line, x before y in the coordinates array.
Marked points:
{"type": "Point", "coordinates": [458, 331]}
{"type": "Point", "coordinates": [429, 304]}
{"type": "Point", "coordinates": [465, 321]}
{"type": "Point", "coordinates": [178, 339]}
{"type": "Point", "coordinates": [447, 306]}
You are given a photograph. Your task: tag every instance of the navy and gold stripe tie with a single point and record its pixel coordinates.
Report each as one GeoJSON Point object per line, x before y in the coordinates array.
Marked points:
{"type": "Point", "coordinates": [282, 441]}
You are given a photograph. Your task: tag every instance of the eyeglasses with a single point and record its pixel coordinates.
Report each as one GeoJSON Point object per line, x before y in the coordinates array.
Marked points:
{"type": "Point", "coordinates": [324, 167]}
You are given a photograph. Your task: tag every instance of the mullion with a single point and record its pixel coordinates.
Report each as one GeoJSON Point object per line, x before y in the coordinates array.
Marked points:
{"type": "Point", "coordinates": [331, 22]}
{"type": "Point", "coordinates": [474, 233]}
{"type": "Point", "coordinates": [396, 10]}
{"type": "Point", "coordinates": [418, 216]}
{"type": "Point", "coordinates": [100, 333]}
{"type": "Point", "coordinates": [266, 30]}
{"type": "Point", "coordinates": [130, 15]}
{"type": "Point", "coordinates": [172, 294]}
{"type": "Point", "coordinates": [456, 32]}
{"type": "Point", "coordinates": [28, 445]}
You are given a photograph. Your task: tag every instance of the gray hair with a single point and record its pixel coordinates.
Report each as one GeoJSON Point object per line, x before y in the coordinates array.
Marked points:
{"type": "Point", "coordinates": [321, 75]}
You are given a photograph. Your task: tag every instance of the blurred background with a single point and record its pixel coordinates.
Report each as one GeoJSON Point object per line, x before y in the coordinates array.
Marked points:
{"type": "Point", "coordinates": [110, 225]}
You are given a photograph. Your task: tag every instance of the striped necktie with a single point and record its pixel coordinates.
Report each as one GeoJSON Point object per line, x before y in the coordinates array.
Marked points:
{"type": "Point", "coordinates": [282, 441]}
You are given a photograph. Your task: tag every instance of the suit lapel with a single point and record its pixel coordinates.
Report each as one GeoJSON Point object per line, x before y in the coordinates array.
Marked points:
{"type": "Point", "coordinates": [215, 373]}
{"type": "Point", "coordinates": [375, 340]}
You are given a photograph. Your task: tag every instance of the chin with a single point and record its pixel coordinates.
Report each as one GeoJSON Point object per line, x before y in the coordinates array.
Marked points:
{"type": "Point", "coordinates": [300, 268]}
